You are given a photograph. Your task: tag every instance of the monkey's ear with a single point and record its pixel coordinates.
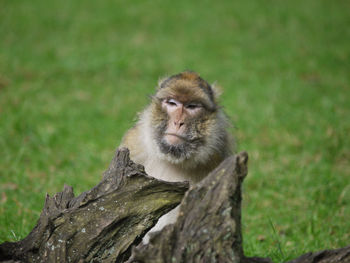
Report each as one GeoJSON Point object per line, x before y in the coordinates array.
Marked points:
{"type": "Point", "coordinates": [161, 81]}
{"type": "Point", "coordinates": [217, 90]}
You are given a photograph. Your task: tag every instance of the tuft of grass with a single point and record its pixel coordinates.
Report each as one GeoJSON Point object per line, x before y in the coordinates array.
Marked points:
{"type": "Point", "coordinates": [74, 74]}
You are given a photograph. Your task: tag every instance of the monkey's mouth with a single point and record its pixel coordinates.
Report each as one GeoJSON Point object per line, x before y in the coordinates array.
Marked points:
{"type": "Point", "coordinates": [177, 135]}
{"type": "Point", "coordinates": [175, 139]}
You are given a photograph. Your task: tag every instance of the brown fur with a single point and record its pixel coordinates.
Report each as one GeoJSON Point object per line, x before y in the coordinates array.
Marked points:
{"type": "Point", "coordinates": [210, 126]}
{"type": "Point", "coordinates": [208, 143]}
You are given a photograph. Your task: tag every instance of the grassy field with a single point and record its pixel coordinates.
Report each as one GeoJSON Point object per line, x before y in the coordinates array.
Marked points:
{"type": "Point", "coordinates": [73, 75]}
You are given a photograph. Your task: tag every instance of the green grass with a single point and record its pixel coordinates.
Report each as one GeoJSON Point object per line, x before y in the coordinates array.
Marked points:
{"type": "Point", "coordinates": [73, 74]}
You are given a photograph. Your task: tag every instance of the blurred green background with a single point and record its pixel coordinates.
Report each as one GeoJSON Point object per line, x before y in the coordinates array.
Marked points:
{"type": "Point", "coordinates": [73, 75]}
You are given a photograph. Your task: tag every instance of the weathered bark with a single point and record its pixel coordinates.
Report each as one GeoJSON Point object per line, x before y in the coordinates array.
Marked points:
{"type": "Point", "coordinates": [208, 228]}
{"type": "Point", "coordinates": [341, 255]}
{"type": "Point", "coordinates": [99, 225]}
{"type": "Point", "coordinates": [103, 224]}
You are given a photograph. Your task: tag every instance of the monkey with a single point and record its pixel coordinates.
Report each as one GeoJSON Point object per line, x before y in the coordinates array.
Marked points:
{"type": "Point", "coordinates": [182, 135]}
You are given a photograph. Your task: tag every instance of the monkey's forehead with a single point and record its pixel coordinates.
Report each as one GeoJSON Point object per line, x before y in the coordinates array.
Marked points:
{"type": "Point", "coordinates": [186, 93]}
{"type": "Point", "coordinates": [188, 79]}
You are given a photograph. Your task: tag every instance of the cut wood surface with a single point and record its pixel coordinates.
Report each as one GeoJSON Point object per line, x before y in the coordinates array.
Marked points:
{"type": "Point", "coordinates": [107, 223]}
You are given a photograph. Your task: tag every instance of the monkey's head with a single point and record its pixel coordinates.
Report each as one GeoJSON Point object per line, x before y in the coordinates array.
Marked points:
{"type": "Point", "coordinates": [187, 123]}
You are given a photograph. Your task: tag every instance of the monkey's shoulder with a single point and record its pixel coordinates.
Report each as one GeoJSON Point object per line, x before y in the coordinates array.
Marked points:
{"type": "Point", "coordinates": [133, 142]}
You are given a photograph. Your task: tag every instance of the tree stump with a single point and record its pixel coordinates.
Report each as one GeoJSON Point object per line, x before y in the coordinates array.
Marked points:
{"type": "Point", "coordinates": [107, 223]}
{"type": "Point", "coordinates": [99, 225]}
{"type": "Point", "coordinates": [341, 255]}
{"type": "Point", "coordinates": [208, 228]}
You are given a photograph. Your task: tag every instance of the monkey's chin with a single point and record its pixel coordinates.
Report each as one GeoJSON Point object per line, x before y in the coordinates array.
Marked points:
{"type": "Point", "coordinates": [174, 153]}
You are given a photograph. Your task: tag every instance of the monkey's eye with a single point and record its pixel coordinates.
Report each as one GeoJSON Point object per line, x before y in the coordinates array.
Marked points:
{"type": "Point", "coordinates": [192, 106]}
{"type": "Point", "coordinates": [171, 102]}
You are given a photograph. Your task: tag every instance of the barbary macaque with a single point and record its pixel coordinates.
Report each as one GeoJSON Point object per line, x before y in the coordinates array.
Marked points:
{"type": "Point", "coordinates": [182, 135]}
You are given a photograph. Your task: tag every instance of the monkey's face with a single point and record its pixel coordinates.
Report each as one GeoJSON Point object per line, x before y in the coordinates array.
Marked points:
{"type": "Point", "coordinates": [181, 117]}
{"type": "Point", "coordinates": [180, 132]}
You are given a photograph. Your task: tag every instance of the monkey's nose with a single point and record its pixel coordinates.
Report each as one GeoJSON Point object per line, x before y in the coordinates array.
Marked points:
{"type": "Point", "coordinates": [178, 123]}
